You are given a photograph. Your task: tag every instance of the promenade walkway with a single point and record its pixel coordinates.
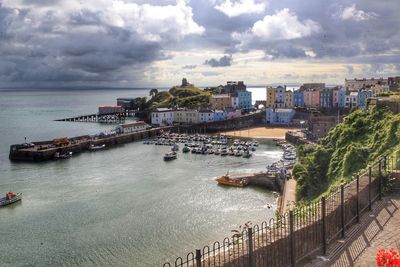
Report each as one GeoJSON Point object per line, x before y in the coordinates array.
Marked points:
{"type": "Point", "coordinates": [289, 196]}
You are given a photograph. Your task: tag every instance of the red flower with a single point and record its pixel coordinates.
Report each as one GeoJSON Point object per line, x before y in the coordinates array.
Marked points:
{"type": "Point", "coordinates": [389, 258]}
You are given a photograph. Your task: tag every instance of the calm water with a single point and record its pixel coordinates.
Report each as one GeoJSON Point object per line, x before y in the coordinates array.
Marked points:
{"type": "Point", "coordinates": [119, 207]}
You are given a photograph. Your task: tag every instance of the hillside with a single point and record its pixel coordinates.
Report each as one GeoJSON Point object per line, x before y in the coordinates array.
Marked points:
{"type": "Point", "coordinates": [178, 96]}
{"type": "Point", "coordinates": [348, 148]}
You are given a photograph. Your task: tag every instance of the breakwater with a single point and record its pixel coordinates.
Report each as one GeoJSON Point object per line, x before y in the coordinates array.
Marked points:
{"type": "Point", "coordinates": [273, 182]}
{"type": "Point", "coordinates": [242, 122]}
{"type": "Point", "coordinates": [46, 150]}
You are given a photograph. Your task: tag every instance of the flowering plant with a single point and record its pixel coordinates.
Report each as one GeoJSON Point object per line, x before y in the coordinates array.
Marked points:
{"type": "Point", "coordinates": [389, 258]}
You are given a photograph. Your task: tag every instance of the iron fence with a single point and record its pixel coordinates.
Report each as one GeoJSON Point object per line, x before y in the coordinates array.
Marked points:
{"type": "Point", "coordinates": [298, 235]}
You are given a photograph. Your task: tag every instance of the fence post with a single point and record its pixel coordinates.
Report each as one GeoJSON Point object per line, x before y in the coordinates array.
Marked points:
{"type": "Point", "coordinates": [292, 241]}
{"type": "Point", "coordinates": [198, 258]}
{"type": "Point", "coordinates": [323, 210]}
{"type": "Point", "coordinates": [250, 240]}
{"type": "Point", "coordinates": [342, 208]}
{"type": "Point", "coordinates": [380, 180]}
{"type": "Point", "coordinates": [358, 198]}
{"type": "Point", "coordinates": [369, 188]}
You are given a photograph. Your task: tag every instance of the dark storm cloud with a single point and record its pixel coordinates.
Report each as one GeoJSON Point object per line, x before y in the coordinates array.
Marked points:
{"type": "Point", "coordinates": [224, 61]}
{"type": "Point", "coordinates": [85, 44]}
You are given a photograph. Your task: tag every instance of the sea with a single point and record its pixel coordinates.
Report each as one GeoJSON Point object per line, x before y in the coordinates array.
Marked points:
{"type": "Point", "coordinates": [122, 206]}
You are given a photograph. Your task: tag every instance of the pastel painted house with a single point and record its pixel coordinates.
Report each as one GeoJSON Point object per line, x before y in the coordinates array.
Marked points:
{"type": "Point", "coordinates": [363, 95]}
{"type": "Point", "coordinates": [244, 99]}
{"type": "Point", "coordinates": [298, 98]}
{"type": "Point", "coordinates": [162, 117]}
{"type": "Point", "coordinates": [219, 115]}
{"type": "Point", "coordinates": [279, 115]}
{"type": "Point", "coordinates": [205, 116]}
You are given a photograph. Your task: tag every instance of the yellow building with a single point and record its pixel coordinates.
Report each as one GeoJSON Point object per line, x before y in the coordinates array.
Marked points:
{"type": "Point", "coordinates": [289, 101]}
{"type": "Point", "coordinates": [220, 101]}
{"type": "Point", "coordinates": [271, 97]}
{"type": "Point", "coordinates": [186, 116]}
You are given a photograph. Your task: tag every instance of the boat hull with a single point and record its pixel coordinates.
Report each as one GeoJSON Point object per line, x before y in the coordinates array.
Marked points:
{"type": "Point", "coordinates": [4, 201]}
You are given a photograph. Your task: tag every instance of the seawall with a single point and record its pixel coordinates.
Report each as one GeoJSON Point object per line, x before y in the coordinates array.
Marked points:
{"type": "Point", "coordinates": [45, 150]}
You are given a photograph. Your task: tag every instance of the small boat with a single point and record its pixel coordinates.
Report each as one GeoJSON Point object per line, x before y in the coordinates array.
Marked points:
{"type": "Point", "coordinates": [185, 149]}
{"type": "Point", "coordinates": [247, 154]}
{"type": "Point", "coordinates": [238, 153]}
{"type": "Point", "coordinates": [170, 156]}
{"type": "Point", "coordinates": [233, 181]}
{"type": "Point", "coordinates": [66, 155]}
{"type": "Point", "coordinates": [175, 147]}
{"type": "Point", "coordinates": [224, 152]}
{"type": "Point", "coordinates": [10, 198]}
{"type": "Point", "coordinates": [217, 152]}
{"type": "Point", "coordinates": [93, 147]}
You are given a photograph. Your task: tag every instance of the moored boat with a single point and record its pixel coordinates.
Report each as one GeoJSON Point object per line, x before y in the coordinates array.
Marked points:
{"type": "Point", "coordinates": [233, 181]}
{"type": "Point", "coordinates": [93, 147]}
{"type": "Point", "coordinates": [185, 149]}
{"type": "Point", "coordinates": [66, 155]}
{"type": "Point", "coordinates": [170, 156]}
{"type": "Point", "coordinates": [10, 198]}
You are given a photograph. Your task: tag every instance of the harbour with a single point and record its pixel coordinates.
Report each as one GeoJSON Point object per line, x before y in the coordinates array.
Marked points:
{"type": "Point", "coordinates": [69, 212]}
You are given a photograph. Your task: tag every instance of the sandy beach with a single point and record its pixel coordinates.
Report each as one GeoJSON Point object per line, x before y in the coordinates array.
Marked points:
{"type": "Point", "coordinates": [262, 132]}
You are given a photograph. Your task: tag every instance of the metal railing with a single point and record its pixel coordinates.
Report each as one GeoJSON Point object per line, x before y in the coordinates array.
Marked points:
{"type": "Point", "coordinates": [300, 234]}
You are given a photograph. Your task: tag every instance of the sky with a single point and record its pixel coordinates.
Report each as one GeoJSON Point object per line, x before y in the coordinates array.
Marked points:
{"type": "Point", "coordinates": [154, 43]}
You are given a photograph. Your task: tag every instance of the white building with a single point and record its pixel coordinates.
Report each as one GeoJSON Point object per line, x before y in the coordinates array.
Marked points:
{"type": "Point", "coordinates": [206, 116]}
{"type": "Point", "coordinates": [162, 117]}
{"type": "Point", "coordinates": [132, 127]}
{"type": "Point", "coordinates": [351, 100]}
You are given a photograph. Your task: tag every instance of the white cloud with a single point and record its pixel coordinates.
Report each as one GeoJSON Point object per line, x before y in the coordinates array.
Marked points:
{"type": "Point", "coordinates": [352, 13]}
{"type": "Point", "coordinates": [240, 7]}
{"type": "Point", "coordinates": [284, 25]}
{"type": "Point", "coordinates": [151, 22]}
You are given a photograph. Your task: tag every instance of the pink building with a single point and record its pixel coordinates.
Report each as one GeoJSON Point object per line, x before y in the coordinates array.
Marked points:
{"type": "Point", "coordinates": [335, 97]}
{"type": "Point", "coordinates": [315, 98]}
{"type": "Point", "coordinates": [311, 98]}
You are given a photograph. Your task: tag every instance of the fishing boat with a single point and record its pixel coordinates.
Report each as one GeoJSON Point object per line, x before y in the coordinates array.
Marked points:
{"type": "Point", "coordinates": [10, 198]}
{"type": "Point", "coordinates": [92, 147]}
{"type": "Point", "coordinates": [185, 149]}
{"type": "Point", "coordinates": [170, 156]}
{"type": "Point", "coordinates": [240, 181]}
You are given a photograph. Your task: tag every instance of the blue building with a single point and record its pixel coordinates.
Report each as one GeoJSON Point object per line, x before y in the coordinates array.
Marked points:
{"type": "Point", "coordinates": [219, 115]}
{"type": "Point", "coordinates": [363, 95]}
{"type": "Point", "coordinates": [326, 98]}
{"type": "Point", "coordinates": [244, 99]}
{"type": "Point", "coordinates": [342, 97]}
{"type": "Point", "coordinates": [279, 115]}
{"type": "Point", "coordinates": [298, 98]}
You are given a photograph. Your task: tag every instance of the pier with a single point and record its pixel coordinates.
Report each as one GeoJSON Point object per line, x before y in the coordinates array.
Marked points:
{"type": "Point", "coordinates": [102, 118]}
{"type": "Point", "coordinates": [46, 150]}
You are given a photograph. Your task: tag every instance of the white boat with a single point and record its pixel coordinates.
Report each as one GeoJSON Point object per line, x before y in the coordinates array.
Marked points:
{"type": "Point", "coordinates": [93, 147]}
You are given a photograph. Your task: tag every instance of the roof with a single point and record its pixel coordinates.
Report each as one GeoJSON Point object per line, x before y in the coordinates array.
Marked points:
{"type": "Point", "coordinates": [163, 110]}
